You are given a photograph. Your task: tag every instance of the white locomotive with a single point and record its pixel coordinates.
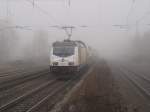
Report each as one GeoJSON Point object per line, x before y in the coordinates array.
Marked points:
{"type": "Point", "coordinates": [68, 55]}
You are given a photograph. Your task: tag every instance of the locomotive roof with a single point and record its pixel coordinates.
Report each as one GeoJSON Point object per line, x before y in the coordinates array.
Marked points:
{"type": "Point", "coordinates": [69, 43]}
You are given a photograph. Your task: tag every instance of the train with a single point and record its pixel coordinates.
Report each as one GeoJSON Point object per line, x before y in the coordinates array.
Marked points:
{"type": "Point", "coordinates": [68, 56]}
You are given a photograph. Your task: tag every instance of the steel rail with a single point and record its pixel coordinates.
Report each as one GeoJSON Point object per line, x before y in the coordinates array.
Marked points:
{"type": "Point", "coordinates": [45, 99]}
{"type": "Point", "coordinates": [55, 92]}
{"type": "Point", "coordinates": [8, 73]}
{"type": "Point", "coordinates": [138, 75]}
{"type": "Point", "coordinates": [8, 93]}
{"type": "Point", "coordinates": [136, 84]}
{"type": "Point", "coordinates": [21, 98]}
{"type": "Point", "coordinates": [12, 82]}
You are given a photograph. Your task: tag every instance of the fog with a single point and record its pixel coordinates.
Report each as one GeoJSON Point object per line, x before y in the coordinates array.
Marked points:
{"type": "Point", "coordinates": [8, 42]}
{"type": "Point", "coordinates": [117, 29]}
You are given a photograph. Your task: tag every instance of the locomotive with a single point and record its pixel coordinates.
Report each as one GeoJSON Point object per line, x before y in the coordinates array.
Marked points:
{"type": "Point", "coordinates": [68, 55]}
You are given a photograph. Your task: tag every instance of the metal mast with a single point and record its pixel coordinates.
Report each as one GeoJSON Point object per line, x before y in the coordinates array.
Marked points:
{"type": "Point", "coordinates": [69, 2]}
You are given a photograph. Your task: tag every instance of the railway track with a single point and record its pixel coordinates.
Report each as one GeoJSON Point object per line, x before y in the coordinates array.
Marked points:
{"type": "Point", "coordinates": [5, 73]}
{"type": "Point", "coordinates": [17, 71]}
{"type": "Point", "coordinates": [44, 96]}
{"type": "Point", "coordinates": [13, 92]}
{"type": "Point", "coordinates": [24, 77]}
{"type": "Point", "coordinates": [142, 87]}
{"type": "Point", "coordinates": [21, 103]}
{"type": "Point", "coordinates": [46, 103]}
{"type": "Point", "coordinates": [140, 75]}
{"type": "Point", "coordinates": [12, 73]}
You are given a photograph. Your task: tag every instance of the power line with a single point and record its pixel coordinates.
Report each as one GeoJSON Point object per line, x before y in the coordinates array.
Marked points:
{"type": "Point", "coordinates": [144, 16]}
{"type": "Point", "coordinates": [43, 11]}
{"type": "Point", "coordinates": [68, 29]}
{"type": "Point", "coordinates": [15, 27]}
{"type": "Point", "coordinates": [32, 2]}
{"type": "Point", "coordinates": [130, 11]}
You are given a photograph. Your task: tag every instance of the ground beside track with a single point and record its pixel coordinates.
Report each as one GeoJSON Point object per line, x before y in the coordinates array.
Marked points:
{"type": "Point", "coordinates": [135, 100]}
{"type": "Point", "coordinates": [96, 93]}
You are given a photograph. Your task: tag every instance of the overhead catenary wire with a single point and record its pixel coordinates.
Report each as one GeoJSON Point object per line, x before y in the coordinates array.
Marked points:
{"type": "Point", "coordinates": [128, 15]}
{"type": "Point", "coordinates": [43, 11]}
{"type": "Point", "coordinates": [126, 26]}
{"type": "Point", "coordinates": [144, 16]}
{"type": "Point", "coordinates": [130, 11]}
{"type": "Point", "coordinates": [35, 5]}
{"type": "Point", "coordinates": [15, 27]}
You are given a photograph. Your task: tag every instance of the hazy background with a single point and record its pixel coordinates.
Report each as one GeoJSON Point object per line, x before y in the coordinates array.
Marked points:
{"type": "Point", "coordinates": [101, 16]}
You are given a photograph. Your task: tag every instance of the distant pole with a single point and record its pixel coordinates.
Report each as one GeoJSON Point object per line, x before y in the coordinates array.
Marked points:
{"type": "Point", "coordinates": [137, 28]}
{"type": "Point", "coordinates": [69, 2]}
{"type": "Point", "coordinates": [33, 3]}
{"type": "Point", "coordinates": [7, 13]}
{"type": "Point", "coordinates": [137, 35]}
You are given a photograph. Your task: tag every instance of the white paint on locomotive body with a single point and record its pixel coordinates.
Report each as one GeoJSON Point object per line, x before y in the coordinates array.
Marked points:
{"type": "Point", "coordinates": [64, 61]}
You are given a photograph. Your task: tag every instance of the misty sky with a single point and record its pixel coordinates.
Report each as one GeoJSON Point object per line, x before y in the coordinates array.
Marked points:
{"type": "Point", "coordinates": [98, 15]}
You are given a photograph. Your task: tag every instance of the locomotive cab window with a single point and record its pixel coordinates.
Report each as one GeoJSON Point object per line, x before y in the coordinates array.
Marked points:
{"type": "Point", "coordinates": [63, 51]}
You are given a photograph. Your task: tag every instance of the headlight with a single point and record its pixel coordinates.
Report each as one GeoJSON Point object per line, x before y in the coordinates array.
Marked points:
{"type": "Point", "coordinates": [55, 63]}
{"type": "Point", "coordinates": [71, 63]}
